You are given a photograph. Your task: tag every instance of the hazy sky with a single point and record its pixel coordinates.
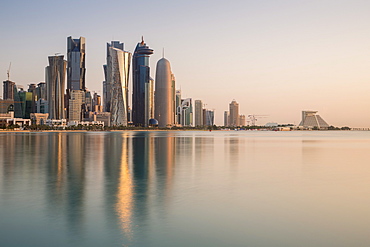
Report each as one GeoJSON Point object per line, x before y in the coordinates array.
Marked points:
{"type": "Point", "coordinates": [274, 58]}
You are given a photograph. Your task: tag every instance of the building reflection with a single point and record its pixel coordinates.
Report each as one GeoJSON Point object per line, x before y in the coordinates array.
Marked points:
{"type": "Point", "coordinates": [124, 203]}
{"type": "Point", "coordinates": [165, 164]}
{"type": "Point", "coordinates": [66, 178]}
{"type": "Point", "coordinates": [75, 179]}
{"type": "Point", "coordinates": [203, 149]}
{"type": "Point", "coordinates": [133, 171]}
{"type": "Point", "coordinates": [232, 145]}
{"type": "Point", "coordinates": [56, 169]}
{"type": "Point", "coordinates": [138, 169]}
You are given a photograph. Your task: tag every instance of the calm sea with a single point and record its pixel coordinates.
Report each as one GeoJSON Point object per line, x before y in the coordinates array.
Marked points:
{"type": "Point", "coordinates": [185, 188]}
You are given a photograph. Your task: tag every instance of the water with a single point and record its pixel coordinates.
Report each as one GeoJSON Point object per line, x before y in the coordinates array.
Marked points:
{"type": "Point", "coordinates": [175, 188]}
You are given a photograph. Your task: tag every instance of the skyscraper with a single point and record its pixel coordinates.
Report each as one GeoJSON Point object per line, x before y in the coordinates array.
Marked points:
{"type": "Point", "coordinates": [116, 82]}
{"type": "Point", "coordinates": [149, 100]}
{"type": "Point", "coordinates": [186, 117]}
{"type": "Point", "coordinates": [141, 76]}
{"type": "Point", "coordinates": [76, 64]}
{"type": "Point", "coordinates": [177, 107]}
{"type": "Point", "coordinates": [41, 91]}
{"type": "Point", "coordinates": [55, 75]}
{"type": "Point", "coordinates": [234, 114]}
{"type": "Point", "coordinates": [75, 105]}
{"type": "Point", "coordinates": [242, 120]}
{"type": "Point", "coordinates": [8, 90]}
{"type": "Point", "coordinates": [164, 94]}
{"type": "Point", "coordinates": [226, 118]}
{"type": "Point", "coordinates": [198, 114]}
{"type": "Point", "coordinates": [209, 117]}
{"type": "Point", "coordinates": [75, 72]}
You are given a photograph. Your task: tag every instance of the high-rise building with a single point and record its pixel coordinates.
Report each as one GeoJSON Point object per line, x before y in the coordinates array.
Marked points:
{"type": "Point", "coordinates": [173, 80]}
{"type": "Point", "coordinates": [8, 90]}
{"type": "Point", "coordinates": [164, 94]}
{"type": "Point", "coordinates": [106, 98]}
{"type": "Point", "coordinates": [198, 113]}
{"type": "Point", "coordinates": [33, 89]}
{"type": "Point", "coordinates": [97, 103]}
{"type": "Point", "coordinates": [76, 70]}
{"type": "Point", "coordinates": [76, 64]}
{"type": "Point", "coordinates": [55, 75]}
{"type": "Point", "coordinates": [42, 106]}
{"type": "Point", "coordinates": [209, 117]}
{"type": "Point", "coordinates": [234, 114]}
{"type": "Point", "coordinates": [311, 120]}
{"type": "Point", "coordinates": [226, 118]}
{"type": "Point", "coordinates": [177, 106]}
{"type": "Point", "coordinates": [41, 91]}
{"type": "Point", "coordinates": [242, 120]}
{"type": "Point", "coordinates": [186, 113]}
{"type": "Point", "coordinates": [26, 100]}
{"type": "Point", "coordinates": [149, 100]}
{"type": "Point", "coordinates": [116, 83]}
{"type": "Point", "coordinates": [141, 76]}
{"type": "Point", "coordinates": [75, 105]}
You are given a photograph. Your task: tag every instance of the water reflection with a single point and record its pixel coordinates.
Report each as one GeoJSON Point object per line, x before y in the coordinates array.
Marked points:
{"type": "Point", "coordinates": [137, 165]}
{"type": "Point", "coordinates": [124, 202]}
{"type": "Point", "coordinates": [182, 189]}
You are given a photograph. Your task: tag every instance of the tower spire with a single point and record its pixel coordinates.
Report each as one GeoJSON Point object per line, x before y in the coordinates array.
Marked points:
{"type": "Point", "coordinates": [142, 39]}
{"type": "Point", "coordinates": [163, 53]}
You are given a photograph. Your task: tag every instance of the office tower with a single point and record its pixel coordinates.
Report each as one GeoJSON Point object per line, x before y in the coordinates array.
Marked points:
{"type": "Point", "coordinates": [173, 80]}
{"type": "Point", "coordinates": [55, 75]}
{"type": "Point", "coordinates": [186, 118]}
{"type": "Point", "coordinates": [75, 105]}
{"type": "Point", "coordinates": [177, 106]}
{"type": "Point", "coordinates": [209, 117]}
{"type": "Point", "coordinates": [42, 106]}
{"type": "Point", "coordinates": [141, 76]}
{"type": "Point", "coordinates": [242, 120]}
{"type": "Point", "coordinates": [26, 103]}
{"type": "Point", "coordinates": [41, 91]}
{"type": "Point", "coordinates": [88, 101]}
{"type": "Point", "coordinates": [234, 114]}
{"type": "Point", "coordinates": [106, 98]}
{"type": "Point", "coordinates": [8, 90]}
{"type": "Point", "coordinates": [149, 101]}
{"type": "Point", "coordinates": [76, 63]}
{"type": "Point", "coordinates": [116, 83]}
{"type": "Point", "coordinates": [97, 103]}
{"type": "Point", "coordinates": [226, 118]}
{"type": "Point", "coordinates": [311, 120]}
{"type": "Point", "coordinates": [198, 113]}
{"type": "Point", "coordinates": [33, 89]}
{"type": "Point", "coordinates": [164, 94]}
{"type": "Point", "coordinates": [18, 110]}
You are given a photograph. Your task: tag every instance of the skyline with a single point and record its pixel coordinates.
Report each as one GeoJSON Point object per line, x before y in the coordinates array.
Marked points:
{"type": "Point", "coordinates": [273, 58]}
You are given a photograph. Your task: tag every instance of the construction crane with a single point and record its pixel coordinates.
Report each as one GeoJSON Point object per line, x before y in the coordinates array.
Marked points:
{"type": "Point", "coordinates": [253, 118]}
{"type": "Point", "coordinates": [8, 71]}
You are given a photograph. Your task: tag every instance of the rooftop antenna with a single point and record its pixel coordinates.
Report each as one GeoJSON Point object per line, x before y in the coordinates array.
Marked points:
{"type": "Point", "coordinates": [142, 39]}
{"type": "Point", "coordinates": [8, 71]}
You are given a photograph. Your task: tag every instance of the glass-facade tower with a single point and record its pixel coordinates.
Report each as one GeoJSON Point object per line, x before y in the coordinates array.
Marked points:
{"type": "Point", "coordinates": [76, 64]}
{"type": "Point", "coordinates": [55, 79]}
{"type": "Point", "coordinates": [141, 77]}
{"type": "Point", "coordinates": [116, 83]}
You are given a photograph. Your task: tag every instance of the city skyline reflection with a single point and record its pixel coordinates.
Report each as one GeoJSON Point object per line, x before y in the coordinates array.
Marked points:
{"type": "Point", "coordinates": [183, 188]}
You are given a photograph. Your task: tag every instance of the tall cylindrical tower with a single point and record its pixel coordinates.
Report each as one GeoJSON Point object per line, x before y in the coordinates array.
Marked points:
{"type": "Point", "coordinates": [164, 98]}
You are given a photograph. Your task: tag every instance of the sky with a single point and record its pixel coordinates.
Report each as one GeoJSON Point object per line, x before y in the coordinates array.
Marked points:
{"type": "Point", "coordinates": [275, 58]}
